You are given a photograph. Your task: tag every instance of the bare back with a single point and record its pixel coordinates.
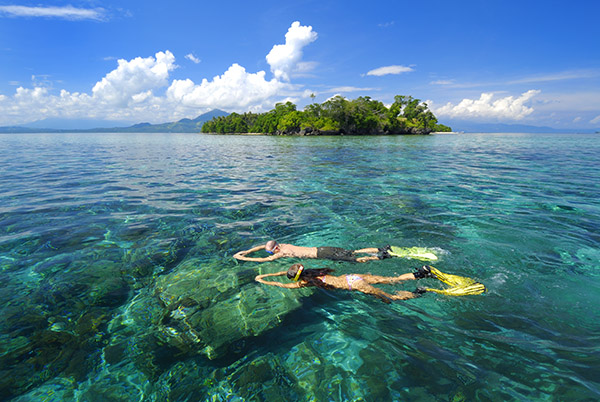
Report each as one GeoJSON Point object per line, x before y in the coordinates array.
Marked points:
{"type": "Point", "coordinates": [289, 250]}
{"type": "Point", "coordinates": [329, 281]}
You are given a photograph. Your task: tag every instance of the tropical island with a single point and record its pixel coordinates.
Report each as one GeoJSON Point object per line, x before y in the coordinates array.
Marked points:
{"type": "Point", "coordinates": [336, 116]}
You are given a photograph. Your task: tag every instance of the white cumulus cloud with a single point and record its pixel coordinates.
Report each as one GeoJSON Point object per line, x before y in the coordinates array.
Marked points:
{"type": "Point", "coordinates": [141, 89]}
{"type": "Point", "coordinates": [235, 89]}
{"type": "Point", "coordinates": [285, 59]}
{"type": "Point", "coordinates": [134, 77]}
{"type": "Point", "coordinates": [486, 107]}
{"type": "Point", "coordinates": [387, 70]}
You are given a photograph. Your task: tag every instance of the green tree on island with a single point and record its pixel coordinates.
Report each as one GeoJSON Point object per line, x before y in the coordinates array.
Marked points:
{"type": "Point", "coordinates": [338, 115]}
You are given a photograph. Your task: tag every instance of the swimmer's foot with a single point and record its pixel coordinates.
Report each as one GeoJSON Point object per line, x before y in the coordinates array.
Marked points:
{"type": "Point", "coordinates": [404, 295]}
{"type": "Point", "coordinates": [424, 272]}
{"type": "Point", "coordinates": [418, 292]}
{"type": "Point", "coordinates": [384, 252]}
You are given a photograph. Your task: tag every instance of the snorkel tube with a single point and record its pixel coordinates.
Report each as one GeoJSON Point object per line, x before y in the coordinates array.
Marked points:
{"type": "Point", "coordinates": [297, 277]}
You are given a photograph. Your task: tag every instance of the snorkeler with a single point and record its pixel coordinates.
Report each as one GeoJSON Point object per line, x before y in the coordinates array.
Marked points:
{"type": "Point", "coordinates": [282, 250]}
{"type": "Point", "coordinates": [321, 278]}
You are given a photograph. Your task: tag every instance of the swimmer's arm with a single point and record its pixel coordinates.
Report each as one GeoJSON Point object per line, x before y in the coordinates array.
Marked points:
{"type": "Point", "coordinates": [242, 255]}
{"type": "Point", "coordinates": [293, 285]}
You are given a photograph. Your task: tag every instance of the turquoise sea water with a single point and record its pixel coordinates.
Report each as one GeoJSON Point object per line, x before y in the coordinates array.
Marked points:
{"type": "Point", "coordinates": [117, 279]}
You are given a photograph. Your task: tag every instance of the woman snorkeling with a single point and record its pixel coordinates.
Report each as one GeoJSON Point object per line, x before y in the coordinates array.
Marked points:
{"type": "Point", "coordinates": [322, 278]}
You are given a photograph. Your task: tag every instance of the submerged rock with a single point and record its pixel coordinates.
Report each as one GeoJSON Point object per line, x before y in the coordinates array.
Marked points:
{"type": "Point", "coordinates": [209, 311]}
{"type": "Point", "coordinates": [57, 328]}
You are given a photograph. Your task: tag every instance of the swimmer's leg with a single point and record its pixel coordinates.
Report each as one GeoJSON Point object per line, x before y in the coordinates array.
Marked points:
{"type": "Point", "coordinates": [388, 279]}
{"type": "Point", "coordinates": [404, 295]}
{"type": "Point", "coordinates": [370, 250]}
{"type": "Point", "coordinates": [367, 258]}
{"type": "Point", "coordinates": [374, 254]}
{"type": "Point", "coordinates": [364, 287]}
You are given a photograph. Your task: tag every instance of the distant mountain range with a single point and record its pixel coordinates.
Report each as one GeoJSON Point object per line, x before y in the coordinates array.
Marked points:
{"type": "Point", "coordinates": [68, 126]}
{"type": "Point", "coordinates": [74, 124]}
{"type": "Point", "coordinates": [471, 127]}
{"type": "Point", "coordinates": [195, 126]}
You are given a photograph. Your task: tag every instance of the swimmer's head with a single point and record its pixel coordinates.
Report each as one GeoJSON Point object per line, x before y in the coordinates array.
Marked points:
{"type": "Point", "coordinates": [272, 247]}
{"type": "Point", "coordinates": [295, 272]}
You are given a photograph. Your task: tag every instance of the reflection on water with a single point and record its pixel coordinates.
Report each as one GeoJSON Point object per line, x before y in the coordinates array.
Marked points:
{"type": "Point", "coordinates": [118, 282]}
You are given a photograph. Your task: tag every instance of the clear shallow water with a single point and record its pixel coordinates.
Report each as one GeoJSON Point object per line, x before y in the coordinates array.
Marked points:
{"type": "Point", "coordinates": [97, 230]}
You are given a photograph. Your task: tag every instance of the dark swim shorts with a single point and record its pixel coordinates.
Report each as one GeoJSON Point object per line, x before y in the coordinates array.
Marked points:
{"type": "Point", "coordinates": [335, 254]}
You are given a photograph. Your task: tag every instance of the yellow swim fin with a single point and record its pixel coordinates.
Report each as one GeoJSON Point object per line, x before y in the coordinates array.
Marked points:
{"type": "Point", "coordinates": [473, 289]}
{"type": "Point", "coordinates": [416, 253]}
{"type": "Point", "coordinates": [452, 280]}
{"type": "Point", "coordinates": [461, 285]}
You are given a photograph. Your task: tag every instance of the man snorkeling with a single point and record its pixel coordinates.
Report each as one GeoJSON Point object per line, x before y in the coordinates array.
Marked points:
{"type": "Point", "coordinates": [282, 250]}
{"type": "Point", "coordinates": [322, 278]}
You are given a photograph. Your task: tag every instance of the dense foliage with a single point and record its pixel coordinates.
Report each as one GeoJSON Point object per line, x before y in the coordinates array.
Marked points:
{"type": "Point", "coordinates": [337, 115]}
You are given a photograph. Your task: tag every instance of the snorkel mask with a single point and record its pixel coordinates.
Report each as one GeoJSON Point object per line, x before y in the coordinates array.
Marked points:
{"type": "Point", "coordinates": [273, 250]}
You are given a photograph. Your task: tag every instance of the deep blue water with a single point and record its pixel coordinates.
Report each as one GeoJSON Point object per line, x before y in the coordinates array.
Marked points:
{"type": "Point", "coordinates": [109, 242]}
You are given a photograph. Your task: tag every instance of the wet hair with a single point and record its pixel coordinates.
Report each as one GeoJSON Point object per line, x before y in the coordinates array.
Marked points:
{"type": "Point", "coordinates": [309, 275]}
{"type": "Point", "coordinates": [270, 245]}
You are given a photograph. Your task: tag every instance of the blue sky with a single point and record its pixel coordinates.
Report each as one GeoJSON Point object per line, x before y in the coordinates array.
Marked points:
{"type": "Point", "coordinates": [527, 62]}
